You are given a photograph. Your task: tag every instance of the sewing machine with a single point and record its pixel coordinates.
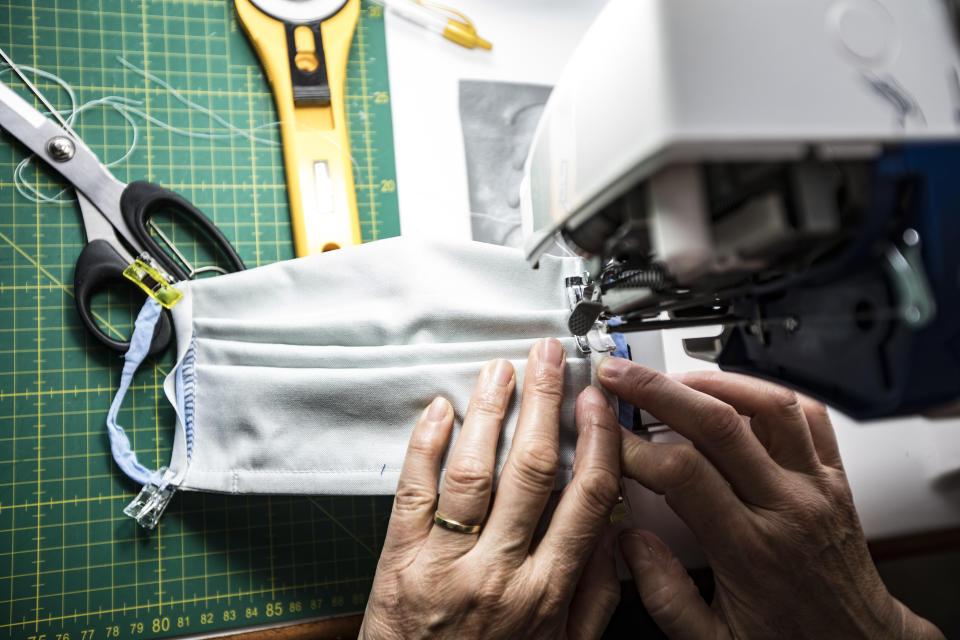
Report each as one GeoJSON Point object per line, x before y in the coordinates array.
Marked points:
{"type": "Point", "coordinates": [789, 171]}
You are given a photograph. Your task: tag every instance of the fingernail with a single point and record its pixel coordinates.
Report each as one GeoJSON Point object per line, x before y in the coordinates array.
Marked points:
{"type": "Point", "coordinates": [502, 373]}
{"type": "Point", "coordinates": [636, 548]}
{"type": "Point", "coordinates": [437, 410]}
{"type": "Point", "coordinates": [551, 351]}
{"type": "Point", "coordinates": [611, 367]}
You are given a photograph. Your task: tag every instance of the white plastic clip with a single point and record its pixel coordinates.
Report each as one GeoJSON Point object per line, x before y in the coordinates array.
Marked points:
{"type": "Point", "coordinates": [150, 503]}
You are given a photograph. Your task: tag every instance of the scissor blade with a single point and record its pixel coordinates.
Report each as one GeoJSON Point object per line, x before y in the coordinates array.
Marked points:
{"type": "Point", "coordinates": [39, 94]}
{"type": "Point", "coordinates": [83, 169]}
{"type": "Point", "coordinates": [98, 228]}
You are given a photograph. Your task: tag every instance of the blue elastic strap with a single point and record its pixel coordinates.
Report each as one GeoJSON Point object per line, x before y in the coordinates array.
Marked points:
{"type": "Point", "coordinates": [622, 351]}
{"type": "Point", "coordinates": [139, 347]}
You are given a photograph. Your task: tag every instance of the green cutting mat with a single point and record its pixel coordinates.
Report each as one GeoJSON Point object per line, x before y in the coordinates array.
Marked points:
{"type": "Point", "coordinates": [72, 566]}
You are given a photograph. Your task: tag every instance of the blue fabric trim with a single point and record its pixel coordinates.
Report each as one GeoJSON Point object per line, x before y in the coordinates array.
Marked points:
{"type": "Point", "coordinates": [622, 351]}
{"type": "Point", "coordinates": [123, 454]}
{"type": "Point", "coordinates": [187, 392]}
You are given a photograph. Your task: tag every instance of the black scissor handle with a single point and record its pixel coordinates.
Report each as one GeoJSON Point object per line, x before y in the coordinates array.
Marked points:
{"type": "Point", "coordinates": [98, 265]}
{"type": "Point", "coordinates": [140, 200]}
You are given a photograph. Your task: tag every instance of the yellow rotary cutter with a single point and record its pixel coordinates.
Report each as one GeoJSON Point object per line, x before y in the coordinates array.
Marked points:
{"type": "Point", "coordinates": [303, 46]}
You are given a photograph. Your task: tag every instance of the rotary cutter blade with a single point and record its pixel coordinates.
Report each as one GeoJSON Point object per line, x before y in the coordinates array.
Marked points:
{"type": "Point", "coordinates": [303, 46]}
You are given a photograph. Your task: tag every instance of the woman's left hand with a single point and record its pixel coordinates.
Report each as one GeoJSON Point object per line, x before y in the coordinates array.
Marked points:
{"type": "Point", "coordinates": [436, 582]}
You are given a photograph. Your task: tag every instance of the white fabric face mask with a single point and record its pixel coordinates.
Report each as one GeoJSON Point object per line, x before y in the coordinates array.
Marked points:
{"type": "Point", "coordinates": [307, 376]}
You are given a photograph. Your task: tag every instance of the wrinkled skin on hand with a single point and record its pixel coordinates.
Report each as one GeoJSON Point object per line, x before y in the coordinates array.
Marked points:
{"type": "Point", "coordinates": [763, 489]}
{"type": "Point", "coordinates": [436, 583]}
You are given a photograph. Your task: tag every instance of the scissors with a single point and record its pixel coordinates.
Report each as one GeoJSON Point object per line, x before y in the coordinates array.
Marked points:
{"type": "Point", "coordinates": [116, 216]}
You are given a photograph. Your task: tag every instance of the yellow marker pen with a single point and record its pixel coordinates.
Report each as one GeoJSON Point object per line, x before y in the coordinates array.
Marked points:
{"type": "Point", "coordinates": [461, 32]}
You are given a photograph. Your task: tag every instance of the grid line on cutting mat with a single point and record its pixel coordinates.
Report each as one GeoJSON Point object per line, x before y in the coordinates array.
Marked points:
{"type": "Point", "coordinates": [71, 564]}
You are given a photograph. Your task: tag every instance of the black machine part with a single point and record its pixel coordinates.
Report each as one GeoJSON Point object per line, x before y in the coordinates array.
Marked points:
{"type": "Point", "coordinates": [861, 312]}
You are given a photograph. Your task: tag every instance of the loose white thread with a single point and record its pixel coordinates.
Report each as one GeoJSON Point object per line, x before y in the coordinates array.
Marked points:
{"type": "Point", "coordinates": [127, 108]}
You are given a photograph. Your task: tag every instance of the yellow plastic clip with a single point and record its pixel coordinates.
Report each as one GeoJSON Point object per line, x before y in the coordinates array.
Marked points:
{"type": "Point", "coordinates": [148, 275]}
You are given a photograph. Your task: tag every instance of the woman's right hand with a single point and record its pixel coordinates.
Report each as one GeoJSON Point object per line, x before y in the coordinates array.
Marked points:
{"type": "Point", "coordinates": [763, 489]}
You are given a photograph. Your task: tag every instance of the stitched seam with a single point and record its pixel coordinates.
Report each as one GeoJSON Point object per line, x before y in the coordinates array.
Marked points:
{"type": "Point", "coordinates": [301, 471]}
{"type": "Point", "coordinates": [519, 356]}
{"type": "Point", "coordinates": [189, 372]}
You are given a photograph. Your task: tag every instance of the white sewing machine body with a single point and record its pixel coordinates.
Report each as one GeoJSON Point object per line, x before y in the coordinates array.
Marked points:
{"type": "Point", "coordinates": [765, 165]}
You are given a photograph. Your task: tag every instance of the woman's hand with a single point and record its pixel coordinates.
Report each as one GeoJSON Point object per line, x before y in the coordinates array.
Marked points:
{"type": "Point", "coordinates": [763, 490]}
{"type": "Point", "coordinates": [435, 582]}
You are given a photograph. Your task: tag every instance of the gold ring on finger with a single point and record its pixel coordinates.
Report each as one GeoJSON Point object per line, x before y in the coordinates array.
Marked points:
{"type": "Point", "coordinates": [453, 525]}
